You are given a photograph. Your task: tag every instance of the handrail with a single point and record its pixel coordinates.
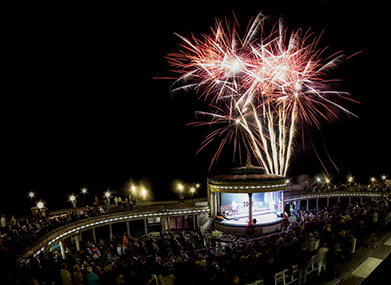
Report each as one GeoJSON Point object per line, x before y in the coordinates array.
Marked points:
{"type": "Point", "coordinates": [98, 221]}
{"type": "Point", "coordinates": [333, 194]}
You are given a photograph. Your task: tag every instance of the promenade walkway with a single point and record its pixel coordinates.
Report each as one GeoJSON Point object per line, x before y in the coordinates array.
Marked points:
{"type": "Point", "coordinates": [162, 210]}
{"type": "Point", "coordinates": [362, 263]}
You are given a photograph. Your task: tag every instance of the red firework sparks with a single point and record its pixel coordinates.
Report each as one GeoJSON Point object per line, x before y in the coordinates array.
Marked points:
{"type": "Point", "coordinates": [260, 86]}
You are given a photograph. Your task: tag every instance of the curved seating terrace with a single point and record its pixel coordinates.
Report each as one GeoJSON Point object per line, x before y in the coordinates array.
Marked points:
{"type": "Point", "coordinates": [90, 223]}
{"type": "Point", "coordinates": [94, 222]}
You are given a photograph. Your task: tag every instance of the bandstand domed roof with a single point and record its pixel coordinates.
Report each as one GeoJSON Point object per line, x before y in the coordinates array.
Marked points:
{"type": "Point", "coordinates": [247, 179]}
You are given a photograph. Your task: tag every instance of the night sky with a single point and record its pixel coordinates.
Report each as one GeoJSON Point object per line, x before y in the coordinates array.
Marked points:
{"type": "Point", "coordinates": [81, 106]}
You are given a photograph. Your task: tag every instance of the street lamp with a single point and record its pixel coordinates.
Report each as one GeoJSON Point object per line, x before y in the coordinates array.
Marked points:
{"type": "Point", "coordinates": [192, 190]}
{"type": "Point", "coordinates": [144, 192]}
{"type": "Point", "coordinates": [40, 205]}
{"type": "Point", "coordinates": [133, 196]}
{"type": "Point", "coordinates": [84, 191]}
{"type": "Point", "coordinates": [373, 182]}
{"type": "Point", "coordinates": [181, 198]}
{"type": "Point", "coordinates": [73, 201]}
{"type": "Point", "coordinates": [107, 194]}
{"type": "Point", "coordinates": [317, 180]}
{"type": "Point", "coordinates": [31, 195]}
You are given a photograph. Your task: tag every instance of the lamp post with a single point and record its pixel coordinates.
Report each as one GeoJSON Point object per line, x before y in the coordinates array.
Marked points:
{"type": "Point", "coordinates": [107, 194]}
{"type": "Point", "coordinates": [192, 190]}
{"type": "Point", "coordinates": [73, 201]}
{"type": "Point", "coordinates": [133, 194]}
{"type": "Point", "coordinates": [84, 191]}
{"type": "Point", "coordinates": [181, 198]}
{"type": "Point", "coordinates": [316, 181]}
{"type": "Point", "coordinates": [144, 192]}
{"type": "Point", "coordinates": [40, 206]}
{"type": "Point", "coordinates": [31, 195]}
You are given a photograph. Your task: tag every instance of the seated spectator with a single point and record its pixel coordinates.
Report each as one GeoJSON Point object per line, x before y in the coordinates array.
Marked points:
{"type": "Point", "coordinates": [92, 278]}
{"type": "Point", "coordinates": [166, 278]}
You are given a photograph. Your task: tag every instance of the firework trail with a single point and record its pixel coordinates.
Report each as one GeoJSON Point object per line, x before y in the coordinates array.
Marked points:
{"type": "Point", "coordinates": [260, 86]}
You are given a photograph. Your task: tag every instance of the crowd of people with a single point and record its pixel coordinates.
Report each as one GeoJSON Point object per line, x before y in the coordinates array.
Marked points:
{"type": "Point", "coordinates": [17, 235]}
{"type": "Point", "coordinates": [349, 186]}
{"type": "Point", "coordinates": [332, 233]}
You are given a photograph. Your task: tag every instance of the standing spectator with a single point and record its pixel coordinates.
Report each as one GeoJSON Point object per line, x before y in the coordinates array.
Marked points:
{"type": "Point", "coordinates": [92, 278]}
{"type": "Point", "coordinates": [125, 243]}
{"type": "Point", "coordinates": [335, 261]}
{"type": "Point", "coordinates": [116, 201]}
{"type": "Point", "coordinates": [96, 203]}
{"type": "Point", "coordinates": [375, 218]}
{"type": "Point", "coordinates": [181, 198]}
{"type": "Point", "coordinates": [65, 275]}
{"type": "Point", "coordinates": [269, 269]}
{"type": "Point", "coordinates": [99, 272]}
{"type": "Point", "coordinates": [321, 256]}
{"type": "Point", "coordinates": [13, 221]}
{"type": "Point", "coordinates": [77, 275]}
{"type": "Point", "coordinates": [119, 249]}
{"type": "Point", "coordinates": [312, 244]}
{"type": "Point", "coordinates": [3, 224]}
{"type": "Point", "coordinates": [302, 263]}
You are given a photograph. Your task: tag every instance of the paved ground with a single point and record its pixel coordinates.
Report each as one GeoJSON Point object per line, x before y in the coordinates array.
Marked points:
{"type": "Point", "coordinates": [363, 263]}
{"type": "Point", "coordinates": [140, 206]}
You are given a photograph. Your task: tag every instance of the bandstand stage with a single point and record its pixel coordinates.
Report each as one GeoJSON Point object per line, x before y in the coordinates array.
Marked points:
{"type": "Point", "coordinates": [247, 194]}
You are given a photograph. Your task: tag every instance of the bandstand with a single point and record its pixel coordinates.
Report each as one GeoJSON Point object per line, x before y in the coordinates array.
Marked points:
{"type": "Point", "coordinates": [247, 194]}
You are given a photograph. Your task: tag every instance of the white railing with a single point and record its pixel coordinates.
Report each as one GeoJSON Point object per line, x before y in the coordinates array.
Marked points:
{"type": "Point", "coordinates": [283, 277]}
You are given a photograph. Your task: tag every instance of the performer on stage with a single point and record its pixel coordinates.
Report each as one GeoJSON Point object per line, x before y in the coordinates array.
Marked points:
{"type": "Point", "coordinates": [234, 207]}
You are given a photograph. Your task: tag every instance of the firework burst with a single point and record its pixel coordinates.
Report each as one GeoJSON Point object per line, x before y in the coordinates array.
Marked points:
{"type": "Point", "coordinates": [260, 86]}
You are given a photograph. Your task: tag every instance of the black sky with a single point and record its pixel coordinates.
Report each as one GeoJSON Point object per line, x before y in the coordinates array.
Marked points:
{"type": "Point", "coordinates": [80, 106]}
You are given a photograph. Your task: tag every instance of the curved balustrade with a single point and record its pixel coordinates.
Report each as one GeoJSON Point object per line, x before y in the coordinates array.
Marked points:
{"type": "Point", "coordinates": [335, 194]}
{"type": "Point", "coordinates": [68, 230]}
{"type": "Point", "coordinates": [74, 228]}
{"type": "Point", "coordinates": [297, 198]}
